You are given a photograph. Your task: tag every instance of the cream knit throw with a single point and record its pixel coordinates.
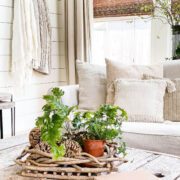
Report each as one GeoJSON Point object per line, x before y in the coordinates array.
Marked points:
{"type": "Point", "coordinates": [42, 64]}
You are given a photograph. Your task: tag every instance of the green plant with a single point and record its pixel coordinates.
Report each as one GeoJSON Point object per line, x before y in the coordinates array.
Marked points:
{"type": "Point", "coordinates": [104, 124]}
{"type": "Point", "coordinates": [51, 123]}
{"type": "Point", "coordinates": [177, 52]}
{"type": "Point", "coordinates": [166, 10]}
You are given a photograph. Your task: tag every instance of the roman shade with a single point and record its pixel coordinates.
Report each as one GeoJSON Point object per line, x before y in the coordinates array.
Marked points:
{"type": "Point", "coordinates": [116, 8]}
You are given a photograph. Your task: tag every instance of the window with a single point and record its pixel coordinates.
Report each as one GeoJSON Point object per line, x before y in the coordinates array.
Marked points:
{"type": "Point", "coordinates": [126, 40]}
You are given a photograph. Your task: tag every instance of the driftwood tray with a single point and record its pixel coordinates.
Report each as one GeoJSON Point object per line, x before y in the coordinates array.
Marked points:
{"type": "Point", "coordinates": [39, 164]}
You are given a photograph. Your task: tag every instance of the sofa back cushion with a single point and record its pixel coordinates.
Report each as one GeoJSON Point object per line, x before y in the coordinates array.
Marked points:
{"type": "Point", "coordinates": [92, 85]}
{"type": "Point", "coordinates": [142, 99]}
{"type": "Point", "coordinates": [117, 70]}
{"type": "Point", "coordinates": [172, 69]}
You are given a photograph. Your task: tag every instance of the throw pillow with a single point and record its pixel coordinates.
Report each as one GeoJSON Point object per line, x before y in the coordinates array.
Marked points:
{"type": "Point", "coordinates": [143, 100]}
{"type": "Point", "coordinates": [172, 103]}
{"type": "Point", "coordinates": [170, 84]}
{"type": "Point", "coordinates": [171, 98]}
{"type": "Point", "coordinates": [92, 85]}
{"type": "Point", "coordinates": [116, 70]}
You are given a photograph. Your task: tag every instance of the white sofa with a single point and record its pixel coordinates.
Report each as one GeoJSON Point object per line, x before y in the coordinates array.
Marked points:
{"type": "Point", "coordinates": [160, 137]}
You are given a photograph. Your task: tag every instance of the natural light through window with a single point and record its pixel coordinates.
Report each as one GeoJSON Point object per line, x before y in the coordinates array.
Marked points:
{"type": "Point", "coordinates": [125, 40]}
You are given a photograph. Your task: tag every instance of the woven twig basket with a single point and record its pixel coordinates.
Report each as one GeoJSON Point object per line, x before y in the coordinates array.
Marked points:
{"type": "Point", "coordinates": [39, 164]}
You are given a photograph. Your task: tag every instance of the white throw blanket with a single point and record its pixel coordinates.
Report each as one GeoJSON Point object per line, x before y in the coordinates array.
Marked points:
{"type": "Point", "coordinates": [26, 41]}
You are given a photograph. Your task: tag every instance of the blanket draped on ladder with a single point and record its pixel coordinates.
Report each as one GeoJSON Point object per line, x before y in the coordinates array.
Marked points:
{"type": "Point", "coordinates": [31, 42]}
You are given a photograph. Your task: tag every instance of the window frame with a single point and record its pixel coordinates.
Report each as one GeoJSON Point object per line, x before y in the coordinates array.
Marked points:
{"type": "Point", "coordinates": [125, 18]}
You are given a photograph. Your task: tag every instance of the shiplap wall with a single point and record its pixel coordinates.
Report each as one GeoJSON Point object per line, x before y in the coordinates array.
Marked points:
{"type": "Point", "coordinates": [28, 105]}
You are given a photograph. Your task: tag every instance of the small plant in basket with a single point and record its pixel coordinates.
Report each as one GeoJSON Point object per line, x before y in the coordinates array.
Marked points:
{"type": "Point", "coordinates": [51, 123]}
{"type": "Point", "coordinates": [101, 126]}
{"type": "Point", "coordinates": [59, 134]}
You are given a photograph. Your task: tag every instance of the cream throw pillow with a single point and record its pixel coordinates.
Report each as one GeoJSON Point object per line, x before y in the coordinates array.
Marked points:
{"type": "Point", "coordinates": [116, 70]}
{"type": "Point", "coordinates": [92, 85]}
{"type": "Point", "coordinates": [171, 98]}
{"type": "Point", "coordinates": [172, 103]}
{"type": "Point", "coordinates": [143, 100]}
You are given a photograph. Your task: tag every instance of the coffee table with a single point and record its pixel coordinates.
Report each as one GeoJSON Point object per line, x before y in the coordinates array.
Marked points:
{"type": "Point", "coordinates": [166, 167]}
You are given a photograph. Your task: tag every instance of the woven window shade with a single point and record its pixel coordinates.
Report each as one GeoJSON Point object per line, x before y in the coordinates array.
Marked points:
{"type": "Point", "coordinates": [117, 8]}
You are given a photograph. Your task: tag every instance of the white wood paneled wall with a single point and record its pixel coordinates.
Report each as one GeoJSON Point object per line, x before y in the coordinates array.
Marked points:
{"type": "Point", "coordinates": [28, 106]}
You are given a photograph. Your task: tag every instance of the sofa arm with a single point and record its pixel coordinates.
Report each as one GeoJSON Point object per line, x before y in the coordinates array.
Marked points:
{"type": "Point", "coordinates": [70, 97]}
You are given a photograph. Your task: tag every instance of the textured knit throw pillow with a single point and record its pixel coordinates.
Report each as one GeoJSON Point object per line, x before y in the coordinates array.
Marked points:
{"type": "Point", "coordinates": [171, 98]}
{"type": "Point", "coordinates": [172, 103]}
{"type": "Point", "coordinates": [171, 87]}
{"type": "Point", "coordinates": [116, 70]}
{"type": "Point", "coordinates": [143, 100]}
{"type": "Point", "coordinates": [92, 85]}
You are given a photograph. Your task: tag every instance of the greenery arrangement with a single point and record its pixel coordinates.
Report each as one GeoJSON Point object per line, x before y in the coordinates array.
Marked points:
{"type": "Point", "coordinates": [104, 124]}
{"type": "Point", "coordinates": [60, 123]}
{"type": "Point", "coordinates": [51, 123]}
{"type": "Point", "coordinates": [165, 10]}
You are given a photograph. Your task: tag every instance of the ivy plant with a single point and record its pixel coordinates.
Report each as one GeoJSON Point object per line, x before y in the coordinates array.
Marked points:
{"type": "Point", "coordinates": [51, 123]}
{"type": "Point", "coordinates": [104, 124]}
{"type": "Point", "coordinates": [177, 52]}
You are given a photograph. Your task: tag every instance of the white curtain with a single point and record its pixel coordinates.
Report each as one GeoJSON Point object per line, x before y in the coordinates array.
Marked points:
{"type": "Point", "coordinates": [79, 17]}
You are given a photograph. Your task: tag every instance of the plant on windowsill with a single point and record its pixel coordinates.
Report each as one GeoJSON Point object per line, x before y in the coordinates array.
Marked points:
{"type": "Point", "coordinates": [177, 52]}
{"type": "Point", "coordinates": [100, 127]}
{"type": "Point", "coordinates": [168, 11]}
{"type": "Point", "coordinates": [165, 10]}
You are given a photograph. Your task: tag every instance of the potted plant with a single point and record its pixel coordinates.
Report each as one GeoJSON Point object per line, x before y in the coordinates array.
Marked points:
{"type": "Point", "coordinates": [177, 52]}
{"type": "Point", "coordinates": [100, 126]}
{"type": "Point", "coordinates": [51, 123]}
{"type": "Point", "coordinates": [166, 10]}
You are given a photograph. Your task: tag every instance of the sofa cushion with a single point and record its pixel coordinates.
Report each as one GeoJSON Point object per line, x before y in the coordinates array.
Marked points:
{"type": "Point", "coordinates": [117, 70]}
{"type": "Point", "coordinates": [158, 143]}
{"type": "Point", "coordinates": [142, 99]}
{"type": "Point", "coordinates": [92, 85]}
{"type": "Point", "coordinates": [167, 128]}
{"type": "Point", "coordinates": [159, 137]}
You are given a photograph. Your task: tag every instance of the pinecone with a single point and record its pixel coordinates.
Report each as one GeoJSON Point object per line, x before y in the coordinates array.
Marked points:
{"type": "Point", "coordinates": [43, 147]}
{"type": "Point", "coordinates": [72, 148]}
{"type": "Point", "coordinates": [34, 137]}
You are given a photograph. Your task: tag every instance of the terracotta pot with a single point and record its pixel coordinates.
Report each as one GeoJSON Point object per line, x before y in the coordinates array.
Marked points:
{"type": "Point", "coordinates": [94, 147]}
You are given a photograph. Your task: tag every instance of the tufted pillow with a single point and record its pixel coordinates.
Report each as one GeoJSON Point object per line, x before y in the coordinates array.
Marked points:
{"type": "Point", "coordinates": [142, 99]}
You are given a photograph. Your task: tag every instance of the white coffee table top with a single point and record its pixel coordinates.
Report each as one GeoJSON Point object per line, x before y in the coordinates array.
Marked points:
{"type": "Point", "coordinates": [166, 165]}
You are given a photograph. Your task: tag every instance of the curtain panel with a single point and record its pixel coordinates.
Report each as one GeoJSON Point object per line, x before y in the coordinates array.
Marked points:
{"type": "Point", "coordinates": [117, 8]}
{"type": "Point", "coordinates": [79, 18]}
